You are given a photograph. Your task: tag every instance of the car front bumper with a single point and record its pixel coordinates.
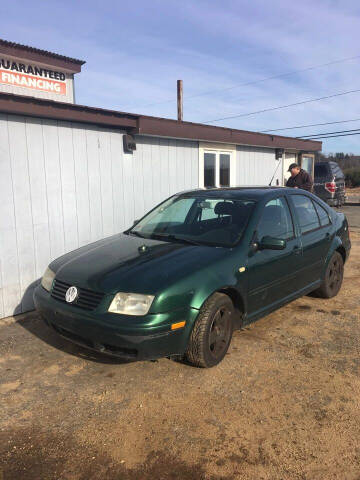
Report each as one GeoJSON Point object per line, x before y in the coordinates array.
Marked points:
{"type": "Point", "coordinates": [117, 335]}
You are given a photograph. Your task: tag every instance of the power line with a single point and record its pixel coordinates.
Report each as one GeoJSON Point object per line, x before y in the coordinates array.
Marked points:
{"type": "Point", "coordinates": [335, 136]}
{"type": "Point", "coordinates": [341, 133]}
{"type": "Point", "coordinates": [282, 106]}
{"type": "Point", "coordinates": [310, 125]}
{"type": "Point", "coordinates": [254, 82]}
{"type": "Point", "coordinates": [329, 133]}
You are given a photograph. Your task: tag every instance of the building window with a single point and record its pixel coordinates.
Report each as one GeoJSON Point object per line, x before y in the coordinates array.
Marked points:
{"type": "Point", "coordinates": [209, 169]}
{"type": "Point", "coordinates": [217, 165]}
{"type": "Point", "coordinates": [224, 170]}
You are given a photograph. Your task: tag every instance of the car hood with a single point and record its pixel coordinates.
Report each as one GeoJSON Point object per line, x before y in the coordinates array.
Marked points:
{"type": "Point", "coordinates": [132, 264]}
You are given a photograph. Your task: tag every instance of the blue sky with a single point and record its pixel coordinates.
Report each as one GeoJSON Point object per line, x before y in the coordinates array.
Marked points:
{"type": "Point", "coordinates": [135, 52]}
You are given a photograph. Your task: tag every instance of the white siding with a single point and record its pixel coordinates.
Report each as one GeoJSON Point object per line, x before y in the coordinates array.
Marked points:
{"type": "Point", "coordinates": [256, 166]}
{"type": "Point", "coordinates": [63, 185]}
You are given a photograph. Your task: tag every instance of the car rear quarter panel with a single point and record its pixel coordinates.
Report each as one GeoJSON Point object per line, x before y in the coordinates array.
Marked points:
{"type": "Point", "coordinates": [341, 239]}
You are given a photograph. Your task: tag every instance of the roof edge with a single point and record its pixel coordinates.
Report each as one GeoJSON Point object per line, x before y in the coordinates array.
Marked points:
{"type": "Point", "coordinates": [146, 125]}
{"type": "Point", "coordinates": [42, 56]}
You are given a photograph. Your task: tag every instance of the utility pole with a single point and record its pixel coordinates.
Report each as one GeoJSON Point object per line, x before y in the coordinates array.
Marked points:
{"type": "Point", "coordinates": [180, 100]}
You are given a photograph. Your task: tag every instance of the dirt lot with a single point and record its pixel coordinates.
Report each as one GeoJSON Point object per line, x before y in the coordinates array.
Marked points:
{"type": "Point", "coordinates": [284, 403]}
{"type": "Point", "coordinates": [353, 191]}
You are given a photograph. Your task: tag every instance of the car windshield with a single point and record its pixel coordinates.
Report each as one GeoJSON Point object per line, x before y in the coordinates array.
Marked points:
{"type": "Point", "coordinates": [197, 220]}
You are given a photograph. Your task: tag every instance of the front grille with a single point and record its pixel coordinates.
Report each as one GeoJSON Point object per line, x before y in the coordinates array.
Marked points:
{"type": "Point", "coordinates": [87, 299]}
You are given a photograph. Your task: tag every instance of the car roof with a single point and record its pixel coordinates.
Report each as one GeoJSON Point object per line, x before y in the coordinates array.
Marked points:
{"type": "Point", "coordinates": [255, 193]}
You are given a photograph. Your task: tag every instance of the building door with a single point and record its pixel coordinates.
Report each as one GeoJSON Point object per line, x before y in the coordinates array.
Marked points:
{"type": "Point", "coordinates": [307, 163]}
{"type": "Point", "coordinates": [217, 165]}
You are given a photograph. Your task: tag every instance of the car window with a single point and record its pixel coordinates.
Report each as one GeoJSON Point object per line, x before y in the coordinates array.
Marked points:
{"type": "Point", "coordinates": [306, 213]}
{"type": "Point", "coordinates": [195, 218]}
{"type": "Point", "coordinates": [321, 170]}
{"type": "Point", "coordinates": [176, 212]}
{"type": "Point", "coordinates": [276, 220]}
{"type": "Point", "coordinates": [208, 209]}
{"type": "Point", "coordinates": [323, 214]}
{"type": "Point", "coordinates": [336, 171]}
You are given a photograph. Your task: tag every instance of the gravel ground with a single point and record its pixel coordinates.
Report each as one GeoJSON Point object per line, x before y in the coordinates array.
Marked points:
{"type": "Point", "coordinates": [284, 403]}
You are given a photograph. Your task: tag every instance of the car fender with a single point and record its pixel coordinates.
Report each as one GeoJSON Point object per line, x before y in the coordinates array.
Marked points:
{"type": "Point", "coordinates": [335, 244]}
{"type": "Point", "coordinates": [229, 285]}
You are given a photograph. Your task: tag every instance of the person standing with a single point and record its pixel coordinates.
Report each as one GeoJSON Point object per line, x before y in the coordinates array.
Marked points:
{"type": "Point", "coordinates": [299, 178]}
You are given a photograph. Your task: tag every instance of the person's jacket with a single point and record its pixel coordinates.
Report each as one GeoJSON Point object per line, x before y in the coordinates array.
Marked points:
{"type": "Point", "coordinates": [301, 180]}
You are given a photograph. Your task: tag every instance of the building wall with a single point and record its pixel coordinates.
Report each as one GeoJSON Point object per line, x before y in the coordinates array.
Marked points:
{"type": "Point", "coordinates": [256, 166]}
{"type": "Point", "coordinates": [63, 185]}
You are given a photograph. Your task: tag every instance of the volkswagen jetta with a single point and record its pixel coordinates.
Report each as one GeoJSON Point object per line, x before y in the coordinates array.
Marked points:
{"type": "Point", "coordinates": [196, 267]}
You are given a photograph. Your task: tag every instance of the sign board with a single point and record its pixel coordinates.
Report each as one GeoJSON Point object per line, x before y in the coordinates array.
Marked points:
{"type": "Point", "coordinates": [32, 76]}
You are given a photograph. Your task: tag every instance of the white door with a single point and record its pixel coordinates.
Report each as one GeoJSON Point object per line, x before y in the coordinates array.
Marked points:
{"type": "Point", "coordinates": [217, 166]}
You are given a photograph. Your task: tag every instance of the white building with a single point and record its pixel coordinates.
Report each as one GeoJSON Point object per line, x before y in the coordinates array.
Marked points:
{"type": "Point", "coordinates": [71, 174]}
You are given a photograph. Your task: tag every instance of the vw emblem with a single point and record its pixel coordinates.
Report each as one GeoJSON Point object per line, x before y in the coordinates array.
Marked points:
{"type": "Point", "coordinates": [71, 294]}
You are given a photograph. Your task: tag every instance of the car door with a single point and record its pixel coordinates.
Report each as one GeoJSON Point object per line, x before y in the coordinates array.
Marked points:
{"type": "Point", "coordinates": [315, 229]}
{"type": "Point", "coordinates": [272, 273]}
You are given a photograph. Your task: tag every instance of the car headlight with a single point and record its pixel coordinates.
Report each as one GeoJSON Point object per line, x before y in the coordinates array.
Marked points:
{"type": "Point", "coordinates": [47, 279]}
{"type": "Point", "coordinates": [131, 303]}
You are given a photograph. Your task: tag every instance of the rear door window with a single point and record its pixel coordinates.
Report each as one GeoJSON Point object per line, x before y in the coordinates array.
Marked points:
{"type": "Point", "coordinates": [323, 214]}
{"type": "Point", "coordinates": [321, 170]}
{"type": "Point", "coordinates": [306, 213]}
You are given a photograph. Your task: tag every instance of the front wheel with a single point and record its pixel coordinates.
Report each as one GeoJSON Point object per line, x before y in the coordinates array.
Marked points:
{"type": "Point", "coordinates": [333, 277]}
{"type": "Point", "coordinates": [210, 338]}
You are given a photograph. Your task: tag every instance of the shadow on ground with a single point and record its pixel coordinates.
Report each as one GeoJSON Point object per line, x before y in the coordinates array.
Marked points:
{"type": "Point", "coordinates": [33, 454]}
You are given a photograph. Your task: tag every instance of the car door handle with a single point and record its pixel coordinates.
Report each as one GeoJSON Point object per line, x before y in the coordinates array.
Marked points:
{"type": "Point", "coordinates": [327, 236]}
{"type": "Point", "coordinates": [297, 250]}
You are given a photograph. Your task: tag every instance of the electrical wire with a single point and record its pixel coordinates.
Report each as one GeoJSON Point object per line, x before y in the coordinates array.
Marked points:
{"type": "Point", "coordinates": [254, 82]}
{"type": "Point", "coordinates": [329, 133]}
{"type": "Point", "coordinates": [335, 136]}
{"type": "Point", "coordinates": [282, 106]}
{"type": "Point", "coordinates": [309, 125]}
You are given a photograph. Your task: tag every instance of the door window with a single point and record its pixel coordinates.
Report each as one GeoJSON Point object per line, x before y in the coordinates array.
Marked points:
{"type": "Point", "coordinates": [224, 170]}
{"type": "Point", "coordinates": [276, 220]}
{"type": "Point", "coordinates": [307, 163]}
{"type": "Point", "coordinates": [209, 169]}
{"type": "Point", "coordinates": [323, 215]}
{"type": "Point", "coordinates": [306, 213]}
{"type": "Point", "coordinates": [217, 165]}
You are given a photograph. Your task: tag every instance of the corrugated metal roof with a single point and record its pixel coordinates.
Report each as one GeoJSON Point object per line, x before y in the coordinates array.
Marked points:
{"type": "Point", "coordinates": [39, 51]}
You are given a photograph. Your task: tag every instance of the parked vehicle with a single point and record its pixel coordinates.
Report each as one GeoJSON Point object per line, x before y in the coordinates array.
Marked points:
{"type": "Point", "coordinates": [196, 267]}
{"type": "Point", "coordinates": [329, 183]}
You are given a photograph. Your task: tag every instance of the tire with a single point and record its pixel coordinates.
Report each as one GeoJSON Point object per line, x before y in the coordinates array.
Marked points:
{"type": "Point", "coordinates": [211, 336]}
{"type": "Point", "coordinates": [333, 277]}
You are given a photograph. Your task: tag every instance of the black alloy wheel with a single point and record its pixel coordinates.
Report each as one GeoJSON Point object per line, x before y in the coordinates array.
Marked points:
{"type": "Point", "coordinates": [220, 332]}
{"type": "Point", "coordinates": [211, 335]}
{"type": "Point", "coordinates": [333, 277]}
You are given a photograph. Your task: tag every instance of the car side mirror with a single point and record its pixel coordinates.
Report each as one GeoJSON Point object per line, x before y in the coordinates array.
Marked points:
{"type": "Point", "coordinates": [272, 243]}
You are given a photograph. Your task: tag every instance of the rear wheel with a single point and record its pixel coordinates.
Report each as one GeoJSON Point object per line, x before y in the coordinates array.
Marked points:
{"type": "Point", "coordinates": [333, 277]}
{"type": "Point", "coordinates": [210, 338]}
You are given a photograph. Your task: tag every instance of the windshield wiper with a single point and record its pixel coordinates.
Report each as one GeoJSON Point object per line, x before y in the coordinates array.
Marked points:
{"type": "Point", "coordinates": [136, 234]}
{"type": "Point", "coordinates": [179, 239]}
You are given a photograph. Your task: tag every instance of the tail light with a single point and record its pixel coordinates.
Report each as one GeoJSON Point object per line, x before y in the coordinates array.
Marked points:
{"type": "Point", "coordinates": [330, 187]}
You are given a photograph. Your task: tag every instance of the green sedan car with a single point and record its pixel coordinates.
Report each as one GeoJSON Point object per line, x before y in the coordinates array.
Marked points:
{"type": "Point", "coordinates": [196, 267]}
